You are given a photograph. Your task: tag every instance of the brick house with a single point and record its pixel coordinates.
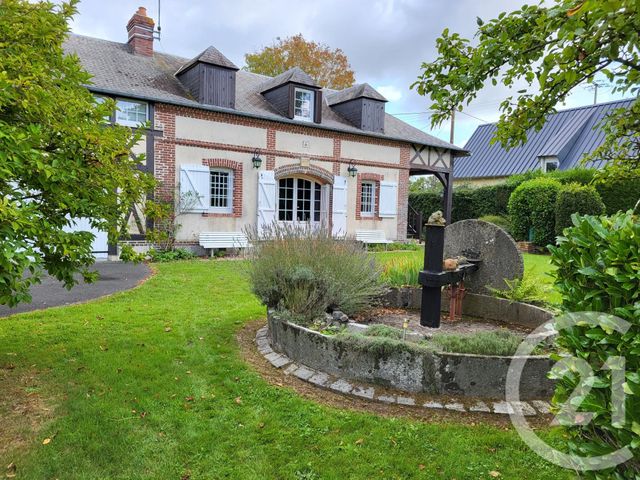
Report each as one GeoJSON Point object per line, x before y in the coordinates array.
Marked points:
{"type": "Point", "coordinates": [254, 149]}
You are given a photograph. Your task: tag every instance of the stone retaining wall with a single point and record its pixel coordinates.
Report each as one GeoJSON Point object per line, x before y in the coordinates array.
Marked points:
{"type": "Point", "coordinates": [412, 369]}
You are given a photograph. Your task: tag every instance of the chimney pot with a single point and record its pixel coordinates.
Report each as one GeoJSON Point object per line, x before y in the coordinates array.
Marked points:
{"type": "Point", "coordinates": [140, 31]}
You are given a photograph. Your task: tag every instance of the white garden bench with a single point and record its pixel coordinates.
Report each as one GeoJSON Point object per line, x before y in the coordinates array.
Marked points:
{"type": "Point", "coordinates": [213, 240]}
{"type": "Point", "coordinates": [372, 236]}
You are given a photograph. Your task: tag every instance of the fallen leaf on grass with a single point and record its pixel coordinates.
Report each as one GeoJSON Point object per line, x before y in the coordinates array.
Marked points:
{"type": "Point", "coordinates": [238, 400]}
{"type": "Point", "coordinates": [11, 470]}
{"type": "Point", "coordinates": [360, 441]}
{"type": "Point", "coordinates": [46, 441]}
{"type": "Point", "coordinates": [189, 399]}
{"type": "Point", "coordinates": [167, 329]}
{"type": "Point", "coordinates": [495, 474]}
{"type": "Point", "coordinates": [421, 467]}
{"type": "Point", "coordinates": [261, 425]}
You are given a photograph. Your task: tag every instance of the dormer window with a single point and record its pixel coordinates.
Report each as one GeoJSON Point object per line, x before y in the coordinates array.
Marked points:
{"type": "Point", "coordinates": [550, 164]}
{"type": "Point", "coordinates": [303, 106]}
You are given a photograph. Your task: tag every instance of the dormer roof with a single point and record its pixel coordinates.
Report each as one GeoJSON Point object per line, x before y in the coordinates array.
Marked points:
{"type": "Point", "coordinates": [116, 71]}
{"type": "Point", "coordinates": [357, 91]}
{"type": "Point", "coordinates": [212, 56]}
{"type": "Point", "coordinates": [293, 75]}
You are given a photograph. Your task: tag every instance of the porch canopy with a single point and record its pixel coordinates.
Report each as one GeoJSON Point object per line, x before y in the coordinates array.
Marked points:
{"type": "Point", "coordinates": [426, 160]}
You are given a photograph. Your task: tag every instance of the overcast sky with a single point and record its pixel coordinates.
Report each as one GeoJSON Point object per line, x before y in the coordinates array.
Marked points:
{"type": "Point", "coordinates": [385, 40]}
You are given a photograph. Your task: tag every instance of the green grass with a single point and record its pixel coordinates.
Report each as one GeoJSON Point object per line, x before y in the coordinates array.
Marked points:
{"type": "Point", "coordinates": [131, 400]}
{"type": "Point", "coordinates": [399, 263]}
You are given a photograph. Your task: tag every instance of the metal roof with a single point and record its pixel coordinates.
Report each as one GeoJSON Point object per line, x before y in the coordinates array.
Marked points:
{"type": "Point", "coordinates": [568, 135]}
{"type": "Point", "coordinates": [116, 71]}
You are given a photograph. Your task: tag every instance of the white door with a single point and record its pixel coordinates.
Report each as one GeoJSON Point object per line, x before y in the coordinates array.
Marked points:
{"type": "Point", "coordinates": [100, 244]}
{"type": "Point", "coordinates": [339, 213]}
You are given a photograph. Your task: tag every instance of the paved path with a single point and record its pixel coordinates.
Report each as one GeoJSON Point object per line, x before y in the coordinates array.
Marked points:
{"type": "Point", "coordinates": [114, 277]}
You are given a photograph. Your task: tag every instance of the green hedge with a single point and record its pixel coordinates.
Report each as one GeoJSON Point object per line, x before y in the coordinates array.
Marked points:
{"type": "Point", "coordinates": [597, 271]}
{"type": "Point", "coordinates": [532, 209]}
{"type": "Point", "coordinates": [469, 202]}
{"type": "Point", "coordinates": [576, 198]}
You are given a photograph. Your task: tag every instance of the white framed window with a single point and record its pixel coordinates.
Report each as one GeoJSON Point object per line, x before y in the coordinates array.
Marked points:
{"type": "Point", "coordinates": [550, 164]}
{"type": "Point", "coordinates": [221, 184]}
{"type": "Point", "coordinates": [303, 104]}
{"type": "Point", "coordinates": [299, 200]}
{"type": "Point", "coordinates": [367, 199]}
{"type": "Point", "coordinates": [131, 113]}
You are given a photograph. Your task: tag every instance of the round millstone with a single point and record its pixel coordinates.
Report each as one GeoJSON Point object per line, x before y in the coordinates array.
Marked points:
{"type": "Point", "coordinates": [477, 239]}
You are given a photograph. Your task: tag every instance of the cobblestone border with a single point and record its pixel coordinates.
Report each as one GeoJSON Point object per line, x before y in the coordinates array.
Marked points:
{"type": "Point", "coordinates": [371, 392]}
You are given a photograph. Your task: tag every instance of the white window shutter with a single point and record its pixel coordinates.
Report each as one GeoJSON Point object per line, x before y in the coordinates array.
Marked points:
{"type": "Point", "coordinates": [266, 199]}
{"type": "Point", "coordinates": [195, 187]}
{"type": "Point", "coordinates": [388, 199]}
{"type": "Point", "coordinates": [339, 213]}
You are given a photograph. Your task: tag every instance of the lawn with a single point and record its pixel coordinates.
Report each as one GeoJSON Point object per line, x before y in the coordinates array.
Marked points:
{"type": "Point", "coordinates": [150, 384]}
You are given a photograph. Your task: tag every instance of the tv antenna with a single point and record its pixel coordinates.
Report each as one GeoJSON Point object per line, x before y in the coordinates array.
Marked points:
{"type": "Point", "coordinates": [595, 85]}
{"type": "Point", "coordinates": [158, 31]}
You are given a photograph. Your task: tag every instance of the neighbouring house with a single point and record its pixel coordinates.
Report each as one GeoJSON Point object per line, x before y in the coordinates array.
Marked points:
{"type": "Point", "coordinates": [254, 149]}
{"type": "Point", "coordinates": [561, 144]}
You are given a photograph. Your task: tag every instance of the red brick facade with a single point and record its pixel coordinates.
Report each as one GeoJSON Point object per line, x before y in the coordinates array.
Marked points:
{"type": "Point", "coordinates": [325, 176]}
{"type": "Point", "coordinates": [140, 30]}
{"type": "Point", "coordinates": [165, 161]}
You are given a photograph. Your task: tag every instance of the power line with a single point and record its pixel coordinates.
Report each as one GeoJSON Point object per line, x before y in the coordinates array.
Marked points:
{"type": "Point", "coordinates": [428, 112]}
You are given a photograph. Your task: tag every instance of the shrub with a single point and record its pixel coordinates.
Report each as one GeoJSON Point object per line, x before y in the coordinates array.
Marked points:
{"type": "Point", "coordinates": [307, 272]}
{"type": "Point", "coordinates": [170, 255]}
{"type": "Point", "coordinates": [619, 195]}
{"type": "Point", "coordinates": [502, 222]}
{"type": "Point", "coordinates": [576, 198]}
{"type": "Point", "coordinates": [500, 342]}
{"type": "Point", "coordinates": [380, 345]}
{"type": "Point", "coordinates": [526, 290]}
{"type": "Point", "coordinates": [400, 272]}
{"type": "Point", "coordinates": [128, 254]}
{"type": "Point", "coordinates": [583, 176]}
{"type": "Point", "coordinates": [532, 208]}
{"type": "Point", "coordinates": [599, 270]}
{"type": "Point", "coordinates": [379, 330]}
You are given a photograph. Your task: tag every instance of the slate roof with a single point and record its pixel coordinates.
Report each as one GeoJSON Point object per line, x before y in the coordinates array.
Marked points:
{"type": "Point", "coordinates": [357, 91]}
{"type": "Point", "coordinates": [212, 56]}
{"type": "Point", "coordinates": [567, 134]}
{"type": "Point", "coordinates": [118, 72]}
{"type": "Point", "coordinates": [295, 75]}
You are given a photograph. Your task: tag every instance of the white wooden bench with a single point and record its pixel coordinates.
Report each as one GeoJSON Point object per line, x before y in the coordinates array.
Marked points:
{"type": "Point", "coordinates": [213, 240]}
{"type": "Point", "coordinates": [372, 236]}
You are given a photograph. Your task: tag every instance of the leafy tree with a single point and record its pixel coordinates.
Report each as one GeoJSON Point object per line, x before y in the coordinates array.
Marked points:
{"type": "Point", "coordinates": [425, 183]}
{"type": "Point", "coordinates": [329, 67]}
{"type": "Point", "coordinates": [58, 158]}
{"type": "Point", "coordinates": [552, 49]}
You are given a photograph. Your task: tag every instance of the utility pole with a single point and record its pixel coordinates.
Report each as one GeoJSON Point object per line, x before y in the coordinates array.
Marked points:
{"type": "Point", "coordinates": [453, 123]}
{"type": "Point", "coordinates": [595, 92]}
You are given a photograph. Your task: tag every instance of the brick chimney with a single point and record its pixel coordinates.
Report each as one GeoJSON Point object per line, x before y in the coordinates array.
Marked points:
{"type": "Point", "coordinates": [140, 30]}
